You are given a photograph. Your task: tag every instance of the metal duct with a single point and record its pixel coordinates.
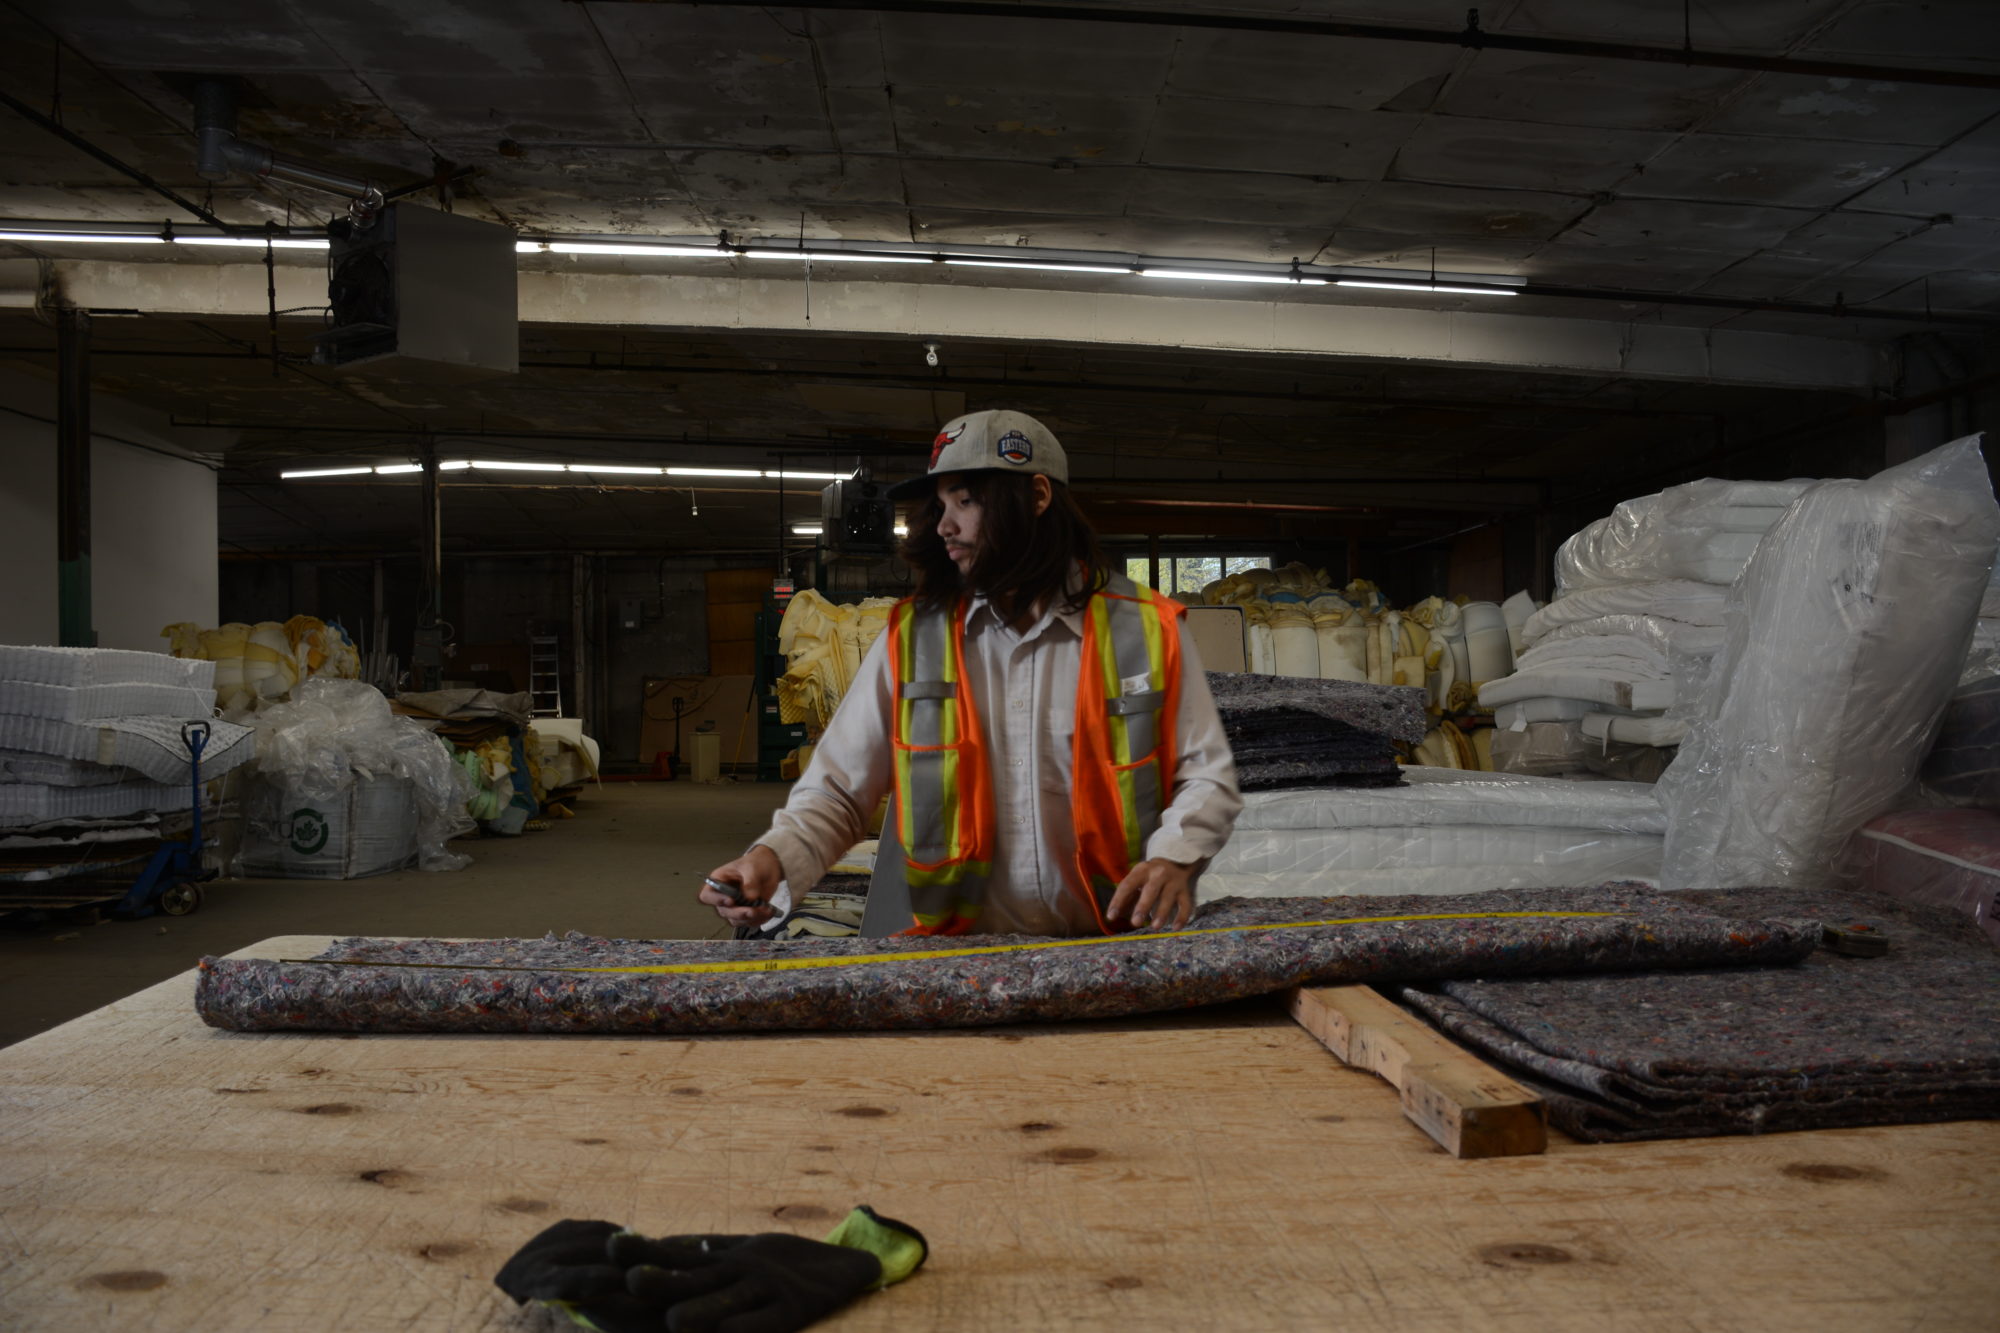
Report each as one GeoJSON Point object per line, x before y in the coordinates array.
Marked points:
{"type": "Point", "coordinates": [219, 152]}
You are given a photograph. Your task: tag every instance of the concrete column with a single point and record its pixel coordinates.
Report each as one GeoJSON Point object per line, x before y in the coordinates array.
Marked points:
{"type": "Point", "coordinates": [75, 624]}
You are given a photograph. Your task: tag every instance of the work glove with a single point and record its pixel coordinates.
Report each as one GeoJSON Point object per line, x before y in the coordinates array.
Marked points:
{"type": "Point", "coordinates": [567, 1267]}
{"type": "Point", "coordinates": [618, 1281]}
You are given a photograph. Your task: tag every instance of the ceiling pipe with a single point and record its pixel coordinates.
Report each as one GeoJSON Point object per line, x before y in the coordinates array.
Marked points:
{"type": "Point", "coordinates": [219, 152]}
{"type": "Point", "coordinates": [1471, 37]}
{"type": "Point", "coordinates": [77, 141]}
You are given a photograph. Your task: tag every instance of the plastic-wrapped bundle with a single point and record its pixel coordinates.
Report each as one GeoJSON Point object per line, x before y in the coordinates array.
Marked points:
{"type": "Point", "coordinates": [1446, 659]}
{"type": "Point", "coordinates": [1259, 647]}
{"type": "Point", "coordinates": [262, 663]}
{"type": "Point", "coordinates": [1680, 600]}
{"type": "Point", "coordinates": [1947, 858]}
{"type": "Point", "coordinates": [1704, 531]}
{"type": "Point", "coordinates": [1541, 749]}
{"type": "Point", "coordinates": [1845, 638]}
{"type": "Point", "coordinates": [1293, 640]}
{"type": "Point", "coordinates": [1489, 649]}
{"type": "Point", "coordinates": [338, 733]}
{"type": "Point", "coordinates": [1669, 638]}
{"type": "Point", "coordinates": [1517, 610]}
{"type": "Point", "coordinates": [823, 645]}
{"type": "Point", "coordinates": [1963, 768]}
{"type": "Point", "coordinates": [1343, 641]}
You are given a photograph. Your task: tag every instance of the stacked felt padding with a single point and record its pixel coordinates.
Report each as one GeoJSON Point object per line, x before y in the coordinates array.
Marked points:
{"type": "Point", "coordinates": [1912, 1035]}
{"type": "Point", "coordinates": [1287, 732]}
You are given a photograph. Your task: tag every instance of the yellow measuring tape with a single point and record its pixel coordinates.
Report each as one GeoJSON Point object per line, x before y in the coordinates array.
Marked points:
{"type": "Point", "coordinates": [926, 955]}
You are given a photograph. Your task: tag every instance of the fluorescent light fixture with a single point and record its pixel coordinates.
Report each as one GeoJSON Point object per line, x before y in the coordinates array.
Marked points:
{"type": "Point", "coordinates": [788, 475]}
{"type": "Point", "coordinates": [456, 465]}
{"type": "Point", "coordinates": [121, 238]}
{"type": "Point", "coordinates": [394, 469]}
{"type": "Point", "coordinates": [253, 242]}
{"type": "Point", "coordinates": [330, 472]}
{"type": "Point", "coordinates": [1207, 275]}
{"type": "Point", "coordinates": [815, 529]}
{"type": "Point", "coordinates": [712, 472]}
{"type": "Point", "coordinates": [531, 247]}
{"type": "Point", "coordinates": [519, 467]}
{"type": "Point", "coordinates": [1046, 268]}
{"type": "Point", "coordinates": [1427, 287]}
{"type": "Point", "coordinates": [608, 248]}
{"type": "Point", "coordinates": [615, 467]}
{"type": "Point", "coordinates": [836, 256]}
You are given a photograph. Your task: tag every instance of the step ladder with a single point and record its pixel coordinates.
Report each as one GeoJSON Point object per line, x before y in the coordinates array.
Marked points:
{"type": "Point", "coordinates": [545, 675]}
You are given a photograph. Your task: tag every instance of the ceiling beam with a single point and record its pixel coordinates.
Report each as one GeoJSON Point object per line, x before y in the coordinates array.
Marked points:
{"type": "Point", "coordinates": [929, 311]}
{"type": "Point", "coordinates": [1471, 37]}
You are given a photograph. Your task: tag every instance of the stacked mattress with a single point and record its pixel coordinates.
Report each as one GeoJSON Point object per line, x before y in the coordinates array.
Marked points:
{"type": "Point", "coordinates": [1296, 732]}
{"type": "Point", "coordinates": [1444, 832]}
{"type": "Point", "coordinates": [1639, 609]}
{"type": "Point", "coordinates": [92, 735]}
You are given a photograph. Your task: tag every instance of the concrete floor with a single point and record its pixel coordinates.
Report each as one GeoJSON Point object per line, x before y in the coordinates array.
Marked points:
{"type": "Point", "coordinates": [629, 864]}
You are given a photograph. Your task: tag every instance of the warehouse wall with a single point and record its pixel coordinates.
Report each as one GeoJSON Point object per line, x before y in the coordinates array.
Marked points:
{"type": "Point", "coordinates": [494, 602]}
{"type": "Point", "coordinates": [153, 522]}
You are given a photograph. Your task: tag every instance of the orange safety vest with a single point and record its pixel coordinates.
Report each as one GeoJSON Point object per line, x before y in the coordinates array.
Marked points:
{"type": "Point", "coordinates": [938, 845]}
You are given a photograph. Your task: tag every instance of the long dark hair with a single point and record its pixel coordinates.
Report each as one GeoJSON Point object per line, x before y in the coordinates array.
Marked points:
{"type": "Point", "coordinates": [1024, 558]}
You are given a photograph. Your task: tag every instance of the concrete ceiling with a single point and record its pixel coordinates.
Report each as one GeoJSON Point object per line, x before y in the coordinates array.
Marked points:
{"type": "Point", "coordinates": [1147, 139]}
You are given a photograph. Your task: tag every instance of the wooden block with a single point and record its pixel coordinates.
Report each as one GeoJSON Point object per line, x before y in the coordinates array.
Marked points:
{"type": "Point", "coordinates": [1469, 1107]}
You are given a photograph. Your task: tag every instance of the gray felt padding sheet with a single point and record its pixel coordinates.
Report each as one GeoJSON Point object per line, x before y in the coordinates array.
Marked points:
{"type": "Point", "coordinates": [1913, 1035]}
{"type": "Point", "coordinates": [534, 986]}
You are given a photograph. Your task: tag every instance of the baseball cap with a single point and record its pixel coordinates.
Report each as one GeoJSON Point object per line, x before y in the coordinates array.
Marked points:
{"type": "Point", "coordinates": [993, 441]}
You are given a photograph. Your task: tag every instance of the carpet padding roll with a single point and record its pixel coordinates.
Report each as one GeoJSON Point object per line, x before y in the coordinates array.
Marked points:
{"type": "Point", "coordinates": [1235, 948]}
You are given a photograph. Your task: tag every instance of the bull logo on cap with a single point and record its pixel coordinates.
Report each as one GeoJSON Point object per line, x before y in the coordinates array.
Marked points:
{"type": "Point", "coordinates": [949, 435]}
{"type": "Point", "coordinates": [1015, 447]}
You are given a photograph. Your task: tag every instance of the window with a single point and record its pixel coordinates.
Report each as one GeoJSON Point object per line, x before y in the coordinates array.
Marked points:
{"type": "Point", "coordinates": [1191, 573]}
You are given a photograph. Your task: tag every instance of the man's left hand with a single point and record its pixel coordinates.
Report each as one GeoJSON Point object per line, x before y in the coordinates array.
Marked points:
{"type": "Point", "coordinates": [1155, 893]}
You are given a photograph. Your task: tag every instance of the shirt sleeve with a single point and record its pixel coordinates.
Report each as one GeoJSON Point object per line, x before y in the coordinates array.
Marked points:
{"type": "Point", "coordinates": [1202, 812]}
{"type": "Point", "coordinates": [829, 807]}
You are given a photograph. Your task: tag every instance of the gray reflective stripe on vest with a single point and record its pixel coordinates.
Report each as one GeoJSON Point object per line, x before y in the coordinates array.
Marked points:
{"type": "Point", "coordinates": [928, 696]}
{"type": "Point", "coordinates": [1151, 702]}
{"type": "Point", "coordinates": [1140, 711]}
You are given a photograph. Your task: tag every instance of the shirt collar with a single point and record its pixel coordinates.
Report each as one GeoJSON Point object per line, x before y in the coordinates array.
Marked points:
{"type": "Point", "coordinates": [984, 613]}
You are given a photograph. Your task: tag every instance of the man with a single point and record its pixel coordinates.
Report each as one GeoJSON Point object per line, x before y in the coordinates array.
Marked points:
{"type": "Point", "coordinates": [1056, 762]}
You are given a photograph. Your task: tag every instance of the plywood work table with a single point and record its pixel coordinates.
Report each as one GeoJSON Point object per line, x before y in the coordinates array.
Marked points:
{"type": "Point", "coordinates": [1214, 1169]}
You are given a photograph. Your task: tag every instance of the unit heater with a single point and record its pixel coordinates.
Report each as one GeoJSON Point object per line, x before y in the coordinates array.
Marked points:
{"type": "Point", "coordinates": [420, 289]}
{"type": "Point", "coordinates": [857, 517]}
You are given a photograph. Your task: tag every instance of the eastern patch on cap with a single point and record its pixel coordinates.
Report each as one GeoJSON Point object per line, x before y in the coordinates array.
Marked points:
{"type": "Point", "coordinates": [1015, 448]}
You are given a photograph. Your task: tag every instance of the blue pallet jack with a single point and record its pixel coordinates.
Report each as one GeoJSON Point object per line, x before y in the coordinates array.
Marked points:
{"type": "Point", "coordinates": [172, 880]}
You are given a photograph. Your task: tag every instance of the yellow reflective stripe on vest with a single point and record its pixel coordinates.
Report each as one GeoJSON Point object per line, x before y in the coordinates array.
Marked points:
{"type": "Point", "coordinates": [1129, 641]}
{"type": "Point", "coordinates": [940, 781]}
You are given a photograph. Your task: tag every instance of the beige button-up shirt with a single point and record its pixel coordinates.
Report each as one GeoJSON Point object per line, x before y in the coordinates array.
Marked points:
{"type": "Point", "coordinates": [1024, 684]}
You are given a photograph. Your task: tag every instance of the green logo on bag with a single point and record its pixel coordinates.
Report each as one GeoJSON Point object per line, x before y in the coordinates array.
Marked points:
{"type": "Point", "coordinates": [308, 830]}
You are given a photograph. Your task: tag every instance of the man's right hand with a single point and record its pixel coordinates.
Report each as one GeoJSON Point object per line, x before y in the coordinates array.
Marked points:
{"type": "Point", "coordinates": [756, 873]}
